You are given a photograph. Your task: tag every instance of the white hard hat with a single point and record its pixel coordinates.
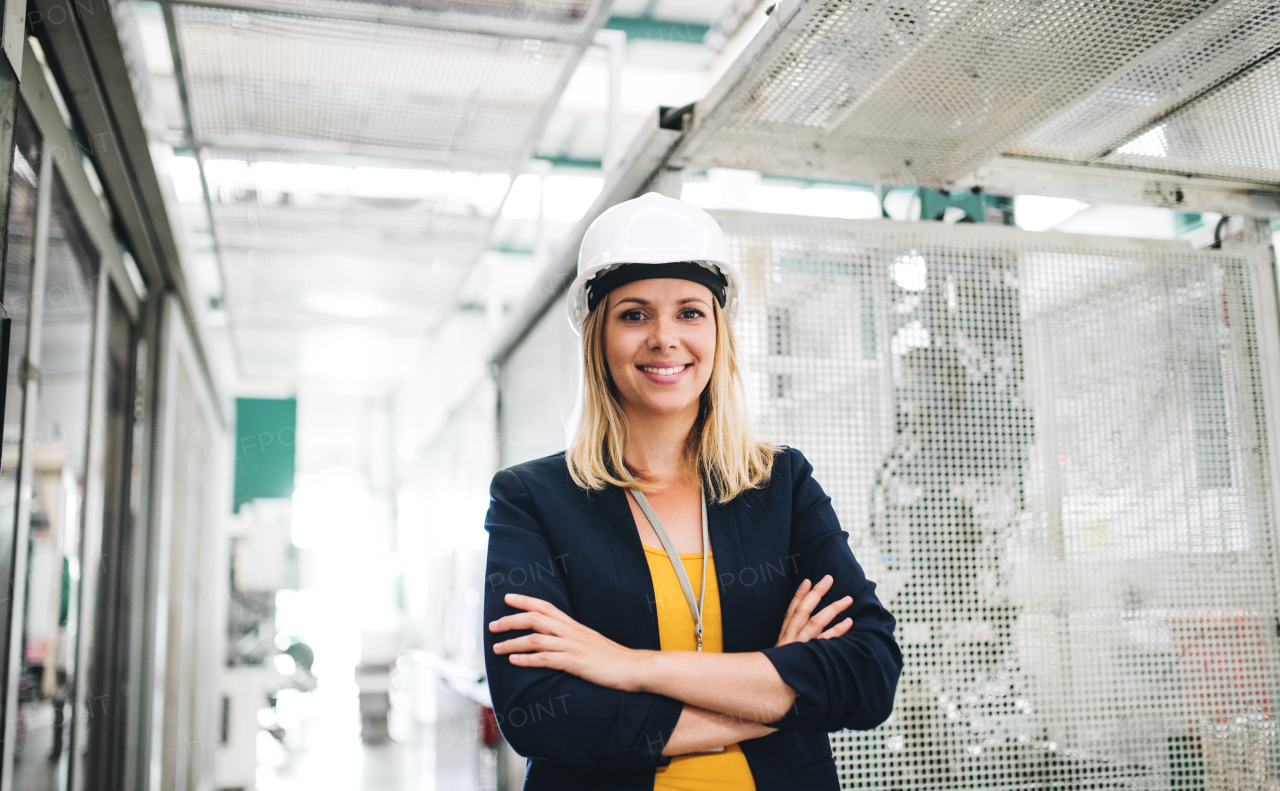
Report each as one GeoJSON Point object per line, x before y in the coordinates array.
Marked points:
{"type": "Point", "coordinates": [652, 229]}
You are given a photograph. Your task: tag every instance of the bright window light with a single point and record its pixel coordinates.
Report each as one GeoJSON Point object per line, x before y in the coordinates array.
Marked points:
{"type": "Point", "coordinates": [703, 194]}
{"type": "Point", "coordinates": [775, 200]}
{"type": "Point", "coordinates": [186, 179]}
{"type": "Point", "coordinates": [285, 665]}
{"type": "Point", "coordinates": [840, 204]}
{"type": "Point", "coordinates": [524, 199]}
{"type": "Point", "coordinates": [1151, 143]}
{"type": "Point", "coordinates": [329, 511]}
{"type": "Point", "coordinates": [910, 271]}
{"type": "Point", "coordinates": [913, 336]}
{"type": "Point", "coordinates": [275, 178]}
{"type": "Point", "coordinates": [353, 354]}
{"type": "Point", "coordinates": [1039, 213]}
{"type": "Point", "coordinates": [569, 197]}
{"type": "Point", "coordinates": [847, 204]}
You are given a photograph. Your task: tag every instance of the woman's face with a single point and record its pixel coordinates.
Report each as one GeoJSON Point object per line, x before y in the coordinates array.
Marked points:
{"type": "Point", "coordinates": [659, 343]}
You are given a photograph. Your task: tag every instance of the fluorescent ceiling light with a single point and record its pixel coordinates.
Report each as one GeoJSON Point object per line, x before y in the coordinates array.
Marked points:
{"type": "Point", "coordinates": [1152, 143]}
{"type": "Point", "coordinates": [348, 305]}
{"type": "Point", "coordinates": [1039, 213]}
{"type": "Point", "coordinates": [271, 180]}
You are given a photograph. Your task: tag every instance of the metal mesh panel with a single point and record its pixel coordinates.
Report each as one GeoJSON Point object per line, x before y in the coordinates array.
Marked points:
{"type": "Point", "coordinates": [922, 92]}
{"type": "Point", "coordinates": [272, 82]}
{"type": "Point", "coordinates": [1046, 450]}
{"type": "Point", "coordinates": [1204, 54]}
{"type": "Point", "coordinates": [1232, 132]}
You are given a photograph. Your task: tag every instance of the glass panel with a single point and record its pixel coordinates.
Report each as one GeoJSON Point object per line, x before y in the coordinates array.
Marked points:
{"type": "Point", "coordinates": [15, 286]}
{"type": "Point", "coordinates": [103, 767]}
{"type": "Point", "coordinates": [58, 450]}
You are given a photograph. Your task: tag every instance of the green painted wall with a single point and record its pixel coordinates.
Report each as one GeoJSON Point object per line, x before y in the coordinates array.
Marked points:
{"type": "Point", "coordinates": [265, 433]}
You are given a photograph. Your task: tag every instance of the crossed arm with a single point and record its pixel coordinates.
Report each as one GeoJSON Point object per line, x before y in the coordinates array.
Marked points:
{"type": "Point", "coordinates": [728, 698]}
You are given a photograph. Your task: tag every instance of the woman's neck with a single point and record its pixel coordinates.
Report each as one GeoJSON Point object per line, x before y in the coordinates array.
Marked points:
{"type": "Point", "coordinates": [655, 445]}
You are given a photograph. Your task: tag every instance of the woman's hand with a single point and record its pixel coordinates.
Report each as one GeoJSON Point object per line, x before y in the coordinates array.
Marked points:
{"type": "Point", "coordinates": [801, 626]}
{"type": "Point", "coordinates": [561, 643]}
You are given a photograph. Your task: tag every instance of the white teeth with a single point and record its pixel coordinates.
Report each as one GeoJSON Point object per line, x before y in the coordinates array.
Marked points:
{"type": "Point", "coordinates": [662, 371]}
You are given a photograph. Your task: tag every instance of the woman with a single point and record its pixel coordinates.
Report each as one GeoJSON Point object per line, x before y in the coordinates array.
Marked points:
{"type": "Point", "coordinates": [662, 598]}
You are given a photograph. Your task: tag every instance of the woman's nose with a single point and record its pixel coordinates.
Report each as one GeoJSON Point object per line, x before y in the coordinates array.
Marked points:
{"type": "Point", "coordinates": [663, 335]}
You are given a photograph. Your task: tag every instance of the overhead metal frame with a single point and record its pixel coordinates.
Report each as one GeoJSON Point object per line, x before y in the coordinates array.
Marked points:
{"type": "Point", "coordinates": [925, 94]}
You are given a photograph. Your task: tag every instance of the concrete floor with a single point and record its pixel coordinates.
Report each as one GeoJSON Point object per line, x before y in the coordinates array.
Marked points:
{"type": "Point", "coordinates": [323, 748]}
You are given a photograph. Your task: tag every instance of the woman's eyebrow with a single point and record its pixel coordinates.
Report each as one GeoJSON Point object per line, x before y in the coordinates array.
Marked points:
{"type": "Point", "coordinates": [636, 300]}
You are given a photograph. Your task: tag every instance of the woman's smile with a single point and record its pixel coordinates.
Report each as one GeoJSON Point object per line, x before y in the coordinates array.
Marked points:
{"type": "Point", "coordinates": [665, 373]}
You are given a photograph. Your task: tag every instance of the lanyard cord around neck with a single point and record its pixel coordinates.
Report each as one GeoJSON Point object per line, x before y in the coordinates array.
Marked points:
{"type": "Point", "coordinates": [695, 605]}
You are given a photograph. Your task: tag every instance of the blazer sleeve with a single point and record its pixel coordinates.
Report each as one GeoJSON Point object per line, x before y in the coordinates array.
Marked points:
{"type": "Point", "coordinates": [848, 681]}
{"type": "Point", "coordinates": [546, 713]}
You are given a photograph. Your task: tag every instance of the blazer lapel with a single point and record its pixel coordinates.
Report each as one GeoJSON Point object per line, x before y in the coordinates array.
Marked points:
{"type": "Point", "coordinates": [637, 625]}
{"type": "Point", "coordinates": [737, 601]}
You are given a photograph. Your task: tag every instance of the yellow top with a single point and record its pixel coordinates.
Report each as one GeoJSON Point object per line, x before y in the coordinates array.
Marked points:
{"type": "Point", "coordinates": [707, 771]}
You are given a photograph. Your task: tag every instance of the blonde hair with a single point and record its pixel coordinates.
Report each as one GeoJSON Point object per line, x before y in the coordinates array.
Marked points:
{"type": "Point", "coordinates": [721, 444]}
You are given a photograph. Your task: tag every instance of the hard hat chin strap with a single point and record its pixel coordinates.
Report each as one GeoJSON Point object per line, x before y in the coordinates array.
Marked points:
{"type": "Point", "coordinates": [600, 285]}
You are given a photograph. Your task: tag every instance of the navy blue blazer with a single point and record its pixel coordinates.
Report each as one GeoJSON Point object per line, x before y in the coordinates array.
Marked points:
{"type": "Point", "coordinates": [580, 550]}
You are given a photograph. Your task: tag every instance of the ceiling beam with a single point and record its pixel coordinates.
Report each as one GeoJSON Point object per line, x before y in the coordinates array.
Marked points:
{"type": "Point", "coordinates": [372, 13]}
{"type": "Point", "coordinates": [1111, 184]}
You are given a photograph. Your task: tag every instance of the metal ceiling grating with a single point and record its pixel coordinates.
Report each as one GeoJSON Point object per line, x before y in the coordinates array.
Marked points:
{"type": "Point", "coordinates": [268, 82]}
{"type": "Point", "coordinates": [1233, 132]}
{"type": "Point", "coordinates": [1206, 53]}
{"type": "Point", "coordinates": [922, 92]}
{"type": "Point", "coordinates": [540, 19]}
{"type": "Point", "coordinates": [364, 231]}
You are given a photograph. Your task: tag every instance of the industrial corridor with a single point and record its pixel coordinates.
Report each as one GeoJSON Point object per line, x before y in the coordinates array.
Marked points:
{"type": "Point", "coordinates": [688, 395]}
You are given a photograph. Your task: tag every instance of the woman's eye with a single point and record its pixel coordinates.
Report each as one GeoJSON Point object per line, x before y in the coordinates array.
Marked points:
{"type": "Point", "coordinates": [691, 313]}
{"type": "Point", "coordinates": [632, 315]}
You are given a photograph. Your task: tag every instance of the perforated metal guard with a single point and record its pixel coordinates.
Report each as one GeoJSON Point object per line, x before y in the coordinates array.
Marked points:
{"type": "Point", "coordinates": [269, 82]}
{"type": "Point", "coordinates": [1052, 459]}
{"type": "Point", "coordinates": [1230, 133]}
{"type": "Point", "coordinates": [923, 92]}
